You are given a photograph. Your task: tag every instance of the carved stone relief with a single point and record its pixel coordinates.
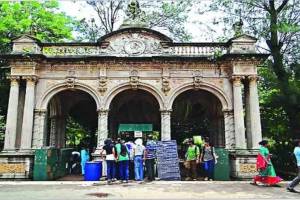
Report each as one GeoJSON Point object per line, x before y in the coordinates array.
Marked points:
{"type": "Point", "coordinates": [165, 85]}
{"type": "Point", "coordinates": [134, 79]}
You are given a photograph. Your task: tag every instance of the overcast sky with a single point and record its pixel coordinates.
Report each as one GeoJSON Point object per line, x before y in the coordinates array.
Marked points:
{"type": "Point", "coordinates": [199, 33]}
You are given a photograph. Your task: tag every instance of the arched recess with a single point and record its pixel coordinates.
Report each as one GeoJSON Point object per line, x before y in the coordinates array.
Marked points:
{"type": "Point", "coordinates": [198, 112]}
{"type": "Point", "coordinates": [65, 105]}
{"type": "Point", "coordinates": [133, 106]}
{"type": "Point", "coordinates": [43, 102]}
{"type": "Point", "coordinates": [225, 101]}
{"type": "Point", "coordinates": [126, 86]}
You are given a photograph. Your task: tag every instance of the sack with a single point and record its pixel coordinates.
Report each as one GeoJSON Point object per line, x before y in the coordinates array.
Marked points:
{"type": "Point", "coordinates": [124, 150]}
{"type": "Point", "coordinates": [198, 140]}
{"type": "Point", "coordinates": [261, 163]}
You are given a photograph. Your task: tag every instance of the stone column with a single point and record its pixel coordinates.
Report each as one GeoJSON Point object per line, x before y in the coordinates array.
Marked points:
{"type": "Point", "coordinates": [12, 114]}
{"type": "Point", "coordinates": [102, 127]}
{"type": "Point", "coordinates": [247, 113]}
{"type": "Point", "coordinates": [27, 126]}
{"type": "Point", "coordinates": [39, 130]}
{"type": "Point", "coordinates": [165, 125]}
{"type": "Point", "coordinates": [255, 123]}
{"type": "Point", "coordinates": [52, 134]}
{"type": "Point", "coordinates": [239, 126]}
{"type": "Point", "coordinates": [229, 129]}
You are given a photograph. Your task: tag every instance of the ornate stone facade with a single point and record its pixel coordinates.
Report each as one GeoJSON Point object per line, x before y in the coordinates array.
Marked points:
{"type": "Point", "coordinates": [131, 59]}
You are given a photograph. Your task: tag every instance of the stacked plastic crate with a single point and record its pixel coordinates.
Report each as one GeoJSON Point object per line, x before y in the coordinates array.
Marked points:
{"type": "Point", "coordinates": [167, 160]}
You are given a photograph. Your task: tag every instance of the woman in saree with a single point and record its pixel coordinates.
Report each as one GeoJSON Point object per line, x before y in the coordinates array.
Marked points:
{"type": "Point", "coordinates": [267, 175]}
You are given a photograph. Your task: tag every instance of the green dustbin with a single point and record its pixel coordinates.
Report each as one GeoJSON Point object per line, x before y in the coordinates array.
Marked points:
{"type": "Point", "coordinates": [45, 164]}
{"type": "Point", "coordinates": [222, 168]}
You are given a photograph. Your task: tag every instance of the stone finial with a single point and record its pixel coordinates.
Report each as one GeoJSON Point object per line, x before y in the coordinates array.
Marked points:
{"type": "Point", "coordinates": [238, 28]}
{"type": "Point", "coordinates": [136, 17]}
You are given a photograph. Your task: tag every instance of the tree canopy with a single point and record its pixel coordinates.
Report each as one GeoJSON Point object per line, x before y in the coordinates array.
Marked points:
{"type": "Point", "coordinates": [169, 16]}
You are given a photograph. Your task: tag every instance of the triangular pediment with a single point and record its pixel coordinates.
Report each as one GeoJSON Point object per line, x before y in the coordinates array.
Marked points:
{"type": "Point", "coordinates": [25, 39]}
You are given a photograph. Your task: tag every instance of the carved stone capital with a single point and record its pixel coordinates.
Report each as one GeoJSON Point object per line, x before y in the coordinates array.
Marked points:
{"type": "Point", "coordinates": [30, 79]}
{"type": "Point", "coordinates": [227, 112]}
{"type": "Point", "coordinates": [40, 111]}
{"type": "Point", "coordinates": [14, 80]}
{"type": "Point", "coordinates": [253, 78]}
{"type": "Point", "coordinates": [102, 111]}
{"type": "Point", "coordinates": [237, 80]}
{"type": "Point", "coordinates": [166, 111]}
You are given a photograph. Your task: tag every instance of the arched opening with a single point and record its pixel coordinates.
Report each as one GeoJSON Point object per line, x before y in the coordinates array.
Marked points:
{"type": "Point", "coordinates": [197, 112]}
{"type": "Point", "coordinates": [133, 107]}
{"type": "Point", "coordinates": [71, 120]}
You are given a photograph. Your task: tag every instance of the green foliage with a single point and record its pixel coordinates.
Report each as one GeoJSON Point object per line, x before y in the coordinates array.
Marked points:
{"type": "Point", "coordinates": [76, 134]}
{"type": "Point", "coordinates": [41, 19]}
{"type": "Point", "coordinates": [169, 16]}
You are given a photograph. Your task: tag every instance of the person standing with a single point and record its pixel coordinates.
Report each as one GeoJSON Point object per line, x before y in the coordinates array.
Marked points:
{"type": "Point", "coordinates": [123, 160]}
{"type": "Point", "coordinates": [150, 157]}
{"type": "Point", "coordinates": [192, 158]}
{"type": "Point", "coordinates": [208, 157]}
{"type": "Point", "coordinates": [267, 175]}
{"type": "Point", "coordinates": [130, 146]}
{"type": "Point", "coordinates": [109, 148]}
{"type": "Point", "coordinates": [296, 180]}
{"type": "Point", "coordinates": [84, 155]}
{"type": "Point", "coordinates": [138, 153]}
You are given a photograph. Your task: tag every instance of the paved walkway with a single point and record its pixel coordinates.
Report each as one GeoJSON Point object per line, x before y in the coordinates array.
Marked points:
{"type": "Point", "coordinates": [154, 190]}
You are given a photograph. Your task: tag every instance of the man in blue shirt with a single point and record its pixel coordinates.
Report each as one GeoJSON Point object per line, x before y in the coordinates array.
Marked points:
{"type": "Point", "coordinates": [150, 157]}
{"type": "Point", "coordinates": [296, 180]}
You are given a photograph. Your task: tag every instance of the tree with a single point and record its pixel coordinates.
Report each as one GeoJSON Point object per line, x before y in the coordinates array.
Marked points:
{"type": "Point", "coordinates": [40, 19]}
{"type": "Point", "coordinates": [170, 16]}
{"type": "Point", "coordinates": [277, 25]}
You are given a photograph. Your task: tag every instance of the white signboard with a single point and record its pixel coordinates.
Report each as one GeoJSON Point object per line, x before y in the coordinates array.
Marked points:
{"type": "Point", "coordinates": [138, 134]}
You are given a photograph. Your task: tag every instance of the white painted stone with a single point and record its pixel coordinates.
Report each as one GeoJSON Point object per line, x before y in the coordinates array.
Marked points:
{"type": "Point", "coordinates": [255, 122]}
{"type": "Point", "coordinates": [27, 126]}
{"type": "Point", "coordinates": [240, 140]}
{"type": "Point", "coordinates": [12, 115]}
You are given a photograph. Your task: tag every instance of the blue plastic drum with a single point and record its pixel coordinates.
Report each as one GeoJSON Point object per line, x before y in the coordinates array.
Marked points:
{"type": "Point", "coordinates": [93, 171]}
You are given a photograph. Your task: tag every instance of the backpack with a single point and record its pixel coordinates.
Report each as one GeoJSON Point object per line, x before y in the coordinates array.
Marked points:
{"type": "Point", "coordinates": [124, 150]}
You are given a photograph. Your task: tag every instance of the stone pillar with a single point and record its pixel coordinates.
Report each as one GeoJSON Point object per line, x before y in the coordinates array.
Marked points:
{"type": "Point", "coordinates": [166, 125]}
{"type": "Point", "coordinates": [12, 114]}
{"type": "Point", "coordinates": [247, 118]}
{"type": "Point", "coordinates": [39, 130]}
{"type": "Point", "coordinates": [102, 127]}
{"type": "Point", "coordinates": [255, 123]}
{"type": "Point", "coordinates": [229, 129]}
{"type": "Point", "coordinates": [52, 134]}
{"type": "Point", "coordinates": [27, 126]}
{"type": "Point", "coordinates": [239, 126]}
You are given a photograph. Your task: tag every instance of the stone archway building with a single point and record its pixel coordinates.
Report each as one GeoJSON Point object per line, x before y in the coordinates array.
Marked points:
{"type": "Point", "coordinates": [130, 59]}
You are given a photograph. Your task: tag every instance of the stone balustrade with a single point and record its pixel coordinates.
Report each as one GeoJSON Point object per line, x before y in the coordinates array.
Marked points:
{"type": "Point", "coordinates": [198, 49]}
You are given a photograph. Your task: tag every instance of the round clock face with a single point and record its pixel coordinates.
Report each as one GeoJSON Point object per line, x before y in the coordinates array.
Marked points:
{"type": "Point", "coordinates": [134, 47]}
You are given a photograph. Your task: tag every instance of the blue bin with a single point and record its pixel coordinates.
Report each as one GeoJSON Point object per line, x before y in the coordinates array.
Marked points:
{"type": "Point", "coordinates": [93, 171]}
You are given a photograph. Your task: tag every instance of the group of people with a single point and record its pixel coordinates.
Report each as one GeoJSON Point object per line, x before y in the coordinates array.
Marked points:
{"type": "Point", "coordinates": [267, 175]}
{"type": "Point", "coordinates": [206, 156]}
{"type": "Point", "coordinates": [120, 155]}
